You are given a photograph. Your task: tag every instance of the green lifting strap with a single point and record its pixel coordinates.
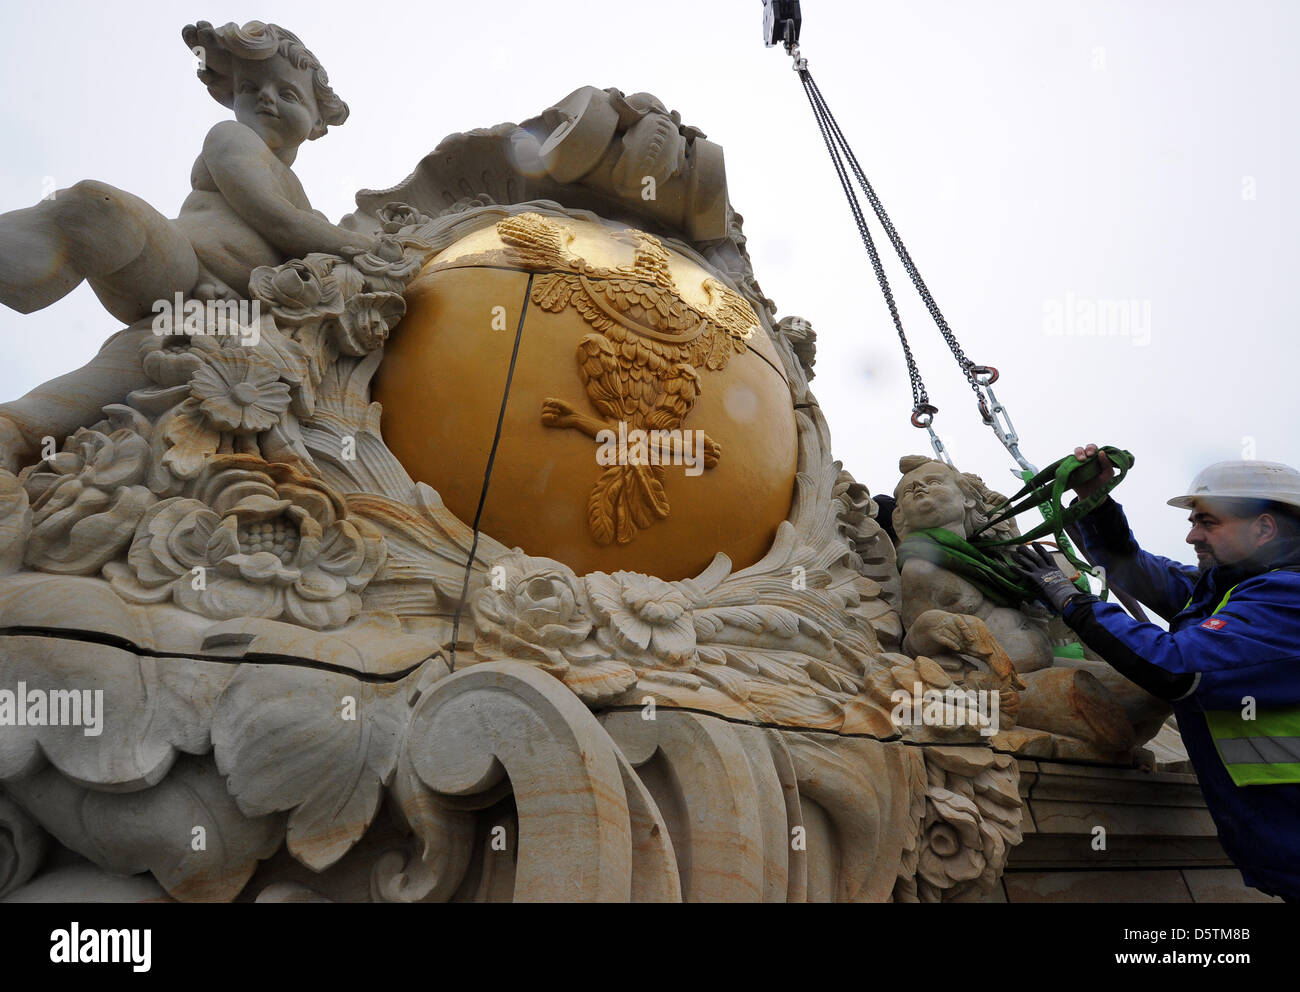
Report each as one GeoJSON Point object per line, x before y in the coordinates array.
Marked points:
{"type": "Point", "coordinates": [1047, 513]}
{"type": "Point", "coordinates": [1048, 486]}
{"type": "Point", "coordinates": [991, 576]}
{"type": "Point", "coordinates": [1067, 549]}
{"type": "Point", "coordinates": [988, 572]}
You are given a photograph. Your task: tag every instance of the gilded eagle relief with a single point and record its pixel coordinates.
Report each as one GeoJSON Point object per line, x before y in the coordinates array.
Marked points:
{"type": "Point", "coordinates": [641, 365]}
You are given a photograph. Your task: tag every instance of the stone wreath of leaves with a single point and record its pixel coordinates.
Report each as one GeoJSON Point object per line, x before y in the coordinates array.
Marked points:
{"type": "Point", "coordinates": [200, 491]}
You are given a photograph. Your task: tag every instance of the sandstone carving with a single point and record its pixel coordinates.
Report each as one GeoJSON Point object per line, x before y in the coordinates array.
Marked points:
{"type": "Point", "coordinates": [229, 566]}
{"type": "Point", "coordinates": [1064, 711]}
{"type": "Point", "coordinates": [247, 209]}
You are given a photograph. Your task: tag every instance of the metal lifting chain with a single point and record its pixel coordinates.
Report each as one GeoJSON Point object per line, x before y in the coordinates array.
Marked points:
{"type": "Point", "coordinates": [781, 25]}
{"type": "Point", "coordinates": [980, 377]}
{"type": "Point", "coordinates": [969, 368]}
{"type": "Point", "coordinates": [920, 400]}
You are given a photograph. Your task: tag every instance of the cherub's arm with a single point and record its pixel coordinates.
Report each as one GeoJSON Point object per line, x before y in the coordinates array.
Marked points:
{"type": "Point", "coordinates": [243, 168]}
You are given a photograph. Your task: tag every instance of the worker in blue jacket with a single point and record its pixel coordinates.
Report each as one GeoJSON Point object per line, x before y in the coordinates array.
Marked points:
{"type": "Point", "coordinates": [1230, 661]}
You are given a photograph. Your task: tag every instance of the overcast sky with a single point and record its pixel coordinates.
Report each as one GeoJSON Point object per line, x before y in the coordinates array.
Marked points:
{"type": "Point", "coordinates": [1039, 159]}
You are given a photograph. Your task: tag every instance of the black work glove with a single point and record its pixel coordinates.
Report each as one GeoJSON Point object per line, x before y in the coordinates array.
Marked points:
{"type": "Point", "coordinates": [1036, 567]}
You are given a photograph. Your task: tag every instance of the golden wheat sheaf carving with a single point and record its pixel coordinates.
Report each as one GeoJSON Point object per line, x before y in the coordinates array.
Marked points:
{"type": "Point", "coordinates": [640, 365]}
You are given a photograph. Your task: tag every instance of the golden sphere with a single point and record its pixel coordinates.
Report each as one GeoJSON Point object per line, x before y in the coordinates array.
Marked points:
{"type": "Point", "coordinates": [624, 342]}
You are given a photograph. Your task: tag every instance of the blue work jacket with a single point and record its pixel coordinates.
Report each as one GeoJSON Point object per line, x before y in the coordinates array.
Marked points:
{"type": "Point", "coordinates": [1233, 651]}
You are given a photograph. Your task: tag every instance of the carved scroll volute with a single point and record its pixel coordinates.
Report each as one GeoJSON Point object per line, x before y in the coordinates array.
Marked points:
{"type": "Point", "coordinates": [763, 815]}
{"type": "Point", "coordinates": [503, 719]}
{"type": "Point", "coordinates": [725, 820]}
{"type": "Point", "coordinates": [864, 790]}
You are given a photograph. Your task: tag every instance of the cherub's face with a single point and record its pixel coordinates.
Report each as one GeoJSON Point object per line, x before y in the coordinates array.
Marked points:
{"type": "Point", "coordinates": [930, 497]}
{"type": "Point", "coordinates": [276, 100]}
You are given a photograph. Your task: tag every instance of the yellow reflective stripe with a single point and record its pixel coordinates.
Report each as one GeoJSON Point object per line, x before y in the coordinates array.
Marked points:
{"type": "Point", "coordinates": [1258, 751]}
{"type": "Point", "coordinates": [1229, 724]}
{"type": "Point", "coordinates": [1276, 774]}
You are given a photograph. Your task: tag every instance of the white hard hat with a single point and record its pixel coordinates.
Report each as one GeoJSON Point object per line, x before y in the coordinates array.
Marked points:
{"type": "Point", "coordinates": [1244, 480]}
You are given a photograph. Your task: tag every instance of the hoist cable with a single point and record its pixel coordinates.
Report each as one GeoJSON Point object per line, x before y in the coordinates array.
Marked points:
{"type": "Point", "coordinates": [978, 560]}
{"type": "Point", "coordinates": [968, 367]}
{"type": "Point", "coordinates": [920, 399]}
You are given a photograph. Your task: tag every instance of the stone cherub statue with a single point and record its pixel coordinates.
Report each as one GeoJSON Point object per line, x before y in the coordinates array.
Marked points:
{"type": "Point", "coordinates": [933, 494]}
{"type": "Point", "coordinates": [1064, 710]}
{"type": "Point", "coordinates": [246, 209]}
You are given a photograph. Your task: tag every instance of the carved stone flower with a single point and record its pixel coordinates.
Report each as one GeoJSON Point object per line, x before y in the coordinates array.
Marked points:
{"type": "Point", "coordinates": [546, 606]}
{"type": "Point", "coordinates": [261, 540]}
{"type": "Point", "coordinates": [298, 291]}
{"type": "Point", "coordinates": [646, 617]}
{"type": "Point", "coordinates": [238, 396]}
{"type": "Point", "coordinates": [953, 850]}
{"type": "Point", "coordinates": [466, 204]}
{"type": "Point", "coordinates": [87, 500]}
{"type": "Point", "coordinates": [533, 610]}
{"type": "Point", "coordinates": [972, 820]}
{"type": "Point", "coordinates": [169, 360]}
{"type": "Point", "coordinates": [390, 259]}
{"type": "Point", "coordinates": [237, 392]}
{"type": "Point", "coordinates": [366, 321]}
{"type": "Point", "coordinates": [395, 216]}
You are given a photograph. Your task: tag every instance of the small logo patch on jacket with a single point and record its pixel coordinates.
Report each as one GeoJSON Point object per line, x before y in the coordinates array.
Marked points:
{"type": "Point", "coordinates": [1214, 623]}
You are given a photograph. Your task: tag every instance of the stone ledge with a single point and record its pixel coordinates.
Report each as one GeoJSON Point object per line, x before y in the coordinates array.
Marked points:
{"type": "Point", "coordinates": [1188, 885]}
{"type": "Point", "coordinates": [1161, 844]}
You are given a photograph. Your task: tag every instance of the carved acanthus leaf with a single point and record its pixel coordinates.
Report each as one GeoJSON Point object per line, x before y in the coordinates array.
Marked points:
{"type": "Point", "coordinates": [335, 743]}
